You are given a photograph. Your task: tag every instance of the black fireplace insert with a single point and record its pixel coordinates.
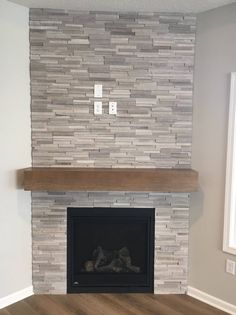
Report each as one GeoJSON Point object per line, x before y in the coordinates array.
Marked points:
{"type": "Point", "coordinates": [110, 250]}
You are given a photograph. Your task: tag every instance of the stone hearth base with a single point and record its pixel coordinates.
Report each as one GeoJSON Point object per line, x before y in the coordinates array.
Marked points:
{"type": "Point", "coordinates": [49, 219]}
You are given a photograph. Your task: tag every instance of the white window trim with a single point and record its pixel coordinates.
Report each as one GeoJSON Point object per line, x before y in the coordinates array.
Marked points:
{"type": "Point", "coordinates": [229, 240]}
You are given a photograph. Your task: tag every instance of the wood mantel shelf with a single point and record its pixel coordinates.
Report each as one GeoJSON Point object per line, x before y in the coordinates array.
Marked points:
{"type": "Point", "coordinates": [110, 179]}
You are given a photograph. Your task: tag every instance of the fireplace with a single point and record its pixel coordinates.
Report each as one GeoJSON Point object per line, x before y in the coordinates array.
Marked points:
{"type": "Point", "coordinates": [110, 250]}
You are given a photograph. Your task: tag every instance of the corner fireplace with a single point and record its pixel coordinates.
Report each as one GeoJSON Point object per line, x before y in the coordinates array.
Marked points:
{"type": "Point", "coordinates": [110, 250]}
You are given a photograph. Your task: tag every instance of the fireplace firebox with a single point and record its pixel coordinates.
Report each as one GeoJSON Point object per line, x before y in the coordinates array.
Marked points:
{"type": "Point", "coordinates": [110, 250]}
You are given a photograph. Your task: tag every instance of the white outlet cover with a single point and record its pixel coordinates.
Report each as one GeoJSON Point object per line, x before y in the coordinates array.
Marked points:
{"type": "Point", "coordinates": [98, 108]}
{"type": "Point", "coordinates": [112, 108]}
{"type": "Point", "coordinates": [98, 90]}
{"type": "Point", "coordinates": [230, 266]}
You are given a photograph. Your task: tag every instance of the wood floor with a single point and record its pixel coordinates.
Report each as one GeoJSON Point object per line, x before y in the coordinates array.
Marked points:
{"type": "Point", "coordinates": [110, 304]}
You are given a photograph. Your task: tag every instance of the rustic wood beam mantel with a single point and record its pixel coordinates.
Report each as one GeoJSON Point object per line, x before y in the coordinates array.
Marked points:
{"type": "Point", "coordinates": [110, 179]}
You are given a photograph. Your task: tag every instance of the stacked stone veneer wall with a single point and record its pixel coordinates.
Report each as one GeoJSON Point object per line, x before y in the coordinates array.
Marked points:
{"type": "Point", "coordinates": [144, 62]}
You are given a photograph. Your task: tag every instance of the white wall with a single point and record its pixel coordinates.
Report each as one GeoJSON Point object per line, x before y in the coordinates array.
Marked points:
{"type": "Point", "coordinates": [215, 59]}
{"type": "Point", "coordinates": [15, 210]}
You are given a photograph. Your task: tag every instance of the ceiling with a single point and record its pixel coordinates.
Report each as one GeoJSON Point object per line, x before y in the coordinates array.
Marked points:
{"type": "Point", "coordinates": [191, 6]}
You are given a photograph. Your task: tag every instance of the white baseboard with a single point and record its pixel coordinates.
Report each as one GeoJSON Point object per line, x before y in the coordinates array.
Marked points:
{"type": "Point", "coordinates": [15, 297]}
{"type": "Point", "coordinates": [211, 300]}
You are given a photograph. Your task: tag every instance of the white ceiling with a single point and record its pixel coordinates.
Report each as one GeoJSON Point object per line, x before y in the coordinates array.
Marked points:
{"type": "Point", "coordinates": [191, 6]}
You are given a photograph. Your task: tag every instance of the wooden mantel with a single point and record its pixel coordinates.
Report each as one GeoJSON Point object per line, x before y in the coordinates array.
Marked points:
{"type": "Point", "coordinates": [110, 179]}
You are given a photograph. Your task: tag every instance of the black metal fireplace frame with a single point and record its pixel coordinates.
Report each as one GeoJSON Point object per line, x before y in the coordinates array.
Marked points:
{"type": "Point", "coordinates": [147, 213]}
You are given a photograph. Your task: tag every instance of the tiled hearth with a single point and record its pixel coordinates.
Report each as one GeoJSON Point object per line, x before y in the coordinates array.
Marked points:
{"type": "Point", "coordinates": [145, 63]}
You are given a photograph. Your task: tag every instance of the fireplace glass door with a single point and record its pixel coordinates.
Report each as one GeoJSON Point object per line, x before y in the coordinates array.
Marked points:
{"type": "Point", "coordinates": [110, 250]}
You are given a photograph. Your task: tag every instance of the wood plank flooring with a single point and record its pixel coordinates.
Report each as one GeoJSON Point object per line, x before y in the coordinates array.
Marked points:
{"type": "Point", "coordinates": [110, 304]}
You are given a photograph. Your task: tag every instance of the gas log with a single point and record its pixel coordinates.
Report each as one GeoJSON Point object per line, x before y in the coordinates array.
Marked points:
{"type": "Point", "coordinates": [114, 261]}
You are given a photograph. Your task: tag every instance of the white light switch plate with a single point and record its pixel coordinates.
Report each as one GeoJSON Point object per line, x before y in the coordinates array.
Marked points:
{"type": "Point", "coordinates": [98, 90]}
{"type": "Point", "coordinates": [112, 108]}
{"type": "Point", "coordinates": [98, 108]}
